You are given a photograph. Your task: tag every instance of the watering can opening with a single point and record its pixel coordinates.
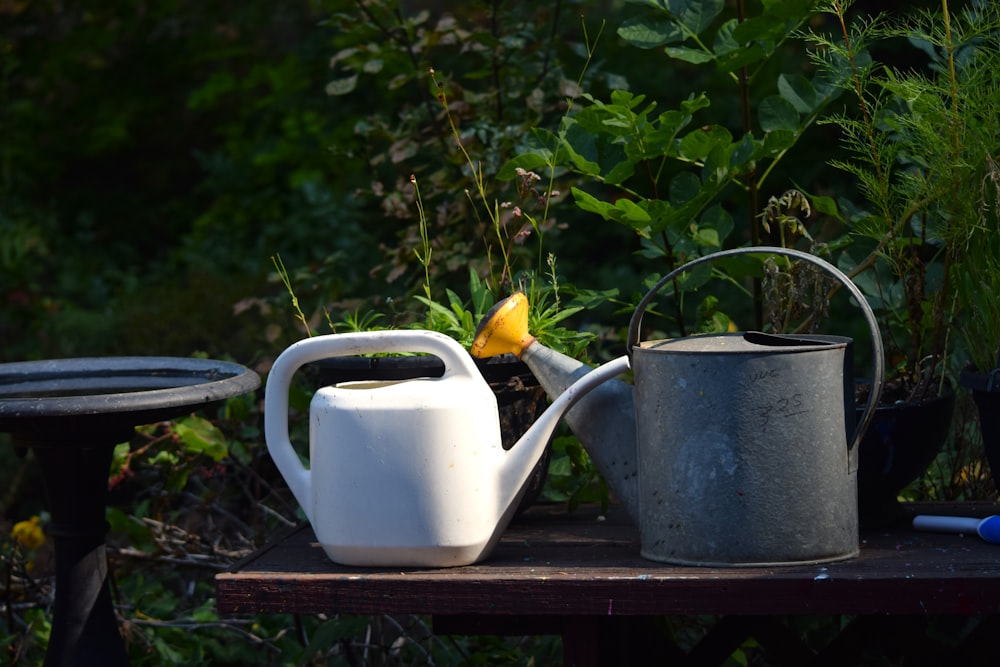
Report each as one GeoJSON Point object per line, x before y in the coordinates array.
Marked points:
{"type": "Point", "coordinates": [791, 340]}
{"type": "Point", "coordinates": [376, 384]}
{"type": "Point", "coordinates": [743, 342]}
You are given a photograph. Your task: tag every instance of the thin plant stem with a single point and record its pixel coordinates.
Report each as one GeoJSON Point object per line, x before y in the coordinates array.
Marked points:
{"type": "Point", "coordinates": [481, 196]}
{"type": "Point", "coordinates": [287, 282]}
{"type": "Point", "coordinates": [425, 251]}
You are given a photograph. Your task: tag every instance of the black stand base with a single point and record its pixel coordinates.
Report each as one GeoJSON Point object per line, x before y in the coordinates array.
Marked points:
{"type": "Point", "coordinates": [84, 626]}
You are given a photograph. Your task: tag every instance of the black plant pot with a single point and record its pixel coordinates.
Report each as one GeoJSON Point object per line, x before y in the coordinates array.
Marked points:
{"type": "Point", "coordinates": [985, 389]}
{"type": "Point", "coordinates": [902, 440]}
{"type": "Point", "coordinates": [520, 397]}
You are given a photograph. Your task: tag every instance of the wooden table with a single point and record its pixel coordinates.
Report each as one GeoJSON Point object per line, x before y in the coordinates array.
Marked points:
{"type": "Point", "coordinates": [581, 576]}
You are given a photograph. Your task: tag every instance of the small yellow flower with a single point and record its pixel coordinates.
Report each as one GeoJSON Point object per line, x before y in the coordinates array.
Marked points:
{"type": "Point", "coordinates": [29, 533]}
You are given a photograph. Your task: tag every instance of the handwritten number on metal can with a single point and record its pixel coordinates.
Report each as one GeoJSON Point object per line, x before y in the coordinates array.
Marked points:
{"type": "Point", "coordinates": [786, 406]}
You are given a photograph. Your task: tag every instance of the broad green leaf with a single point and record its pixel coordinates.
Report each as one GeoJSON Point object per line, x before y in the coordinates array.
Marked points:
{"type": "Point", "coordinates": [670, 121]}
{"type": "Point", "coordinates": [238, 408]}
{"type": "Point", "coordinates": [696, 15]}
{"type": "Point", "coordinates": [741, 266]}
{"type": "Point", "coordinates": [731, 54]}
{"type": "Point", "coordinates": [788, 7]}
{"type": "Point", "coordinates": [660, 213]}
{"type": "Point", "coordinates": [677, 21]}
{"type": "Point", "coordinates": [164, 458]}
{"type": "Point", "coordinates": [695, 278]}
{"type": "Point", "coordinates": [342, 86]}
{"type": "Point", "coordinates": [715, 171]}
{"type": "Point", "coordinates": [695, 103]}
{"type": "Point", "coordinates": [825, 205]}
{"type": "Point", "coordinates": [718, 219]}
{"type": "Point", "coordinates": [581, 149]}
{"type": "Point", "coordinates": [697, 144]}
{"type": "Point", "coordinates": [649, 33]}
{"type": "Point", "coordinates": [724, 42]}
{"type": "Point", "coordinates": [766, 28]}
{"type": "Point", "coordinates": [688, 55]}
{"type": "Point", "coordinates": [560, 466]}
{"type": "Point", "coordinates": [615, 120]}
{"type": "Point", "coordinates": [740, 58]}
{"type": "Point", "coordinates": [777, 113]}
{"type": "Point", "coordinates": [590, 203]}
{"type": "Point", "coordinates": [166, 654]}
{"type": "Point", "coordinates": [777, 141]}
{"type": "Point", "coordinates": [742, 152]}
{"type": "Point", "coordinates": [201, 436]}
{"type": "Point", "coordinates": [684, 187]}
{"type": "Point", "coordinates": [120, 458]}
{"type": "Point", "coordinates": [623, 211]}
{"type": "Point", "coordinates": [620, 173]}
{"type": "Point", "coordinates": [627, 98]}
{"type": "Point", "coordinates": [706, 236]}
{"type": "Point", "coordinates": [398, 81]}
{"type": "Point", "coordinates": [542, 141]}
{"type": "Point", "coordinates": [798, 92]}
{"type": "Point", "coordinates": [217, 85]}
{"type": "Point", "coordinates": [206, 613]}
{"type": "Point", "coordinates": [140, 535]}
{"type": "Point", "coordinates": [632, 213]}
{"type": "Point", "coordinates": [299, 398]}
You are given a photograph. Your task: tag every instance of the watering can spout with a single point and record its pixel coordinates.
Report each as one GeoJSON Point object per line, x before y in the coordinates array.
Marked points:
{"type": "Point", "coordinates": [599, 410]}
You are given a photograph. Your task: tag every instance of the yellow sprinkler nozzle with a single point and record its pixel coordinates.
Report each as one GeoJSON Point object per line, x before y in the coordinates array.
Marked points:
{"type": "Point", "coordinates": [504, 329]}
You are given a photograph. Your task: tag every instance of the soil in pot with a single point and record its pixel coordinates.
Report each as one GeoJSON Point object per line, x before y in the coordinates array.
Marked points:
{"type": "Point", "coordinates": [520, 400]}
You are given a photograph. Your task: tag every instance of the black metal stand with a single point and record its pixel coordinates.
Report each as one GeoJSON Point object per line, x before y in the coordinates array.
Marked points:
{"type": "Point", "coordinates": [84, 627]}
{"type": "Point", "coordinates": [72, 413]}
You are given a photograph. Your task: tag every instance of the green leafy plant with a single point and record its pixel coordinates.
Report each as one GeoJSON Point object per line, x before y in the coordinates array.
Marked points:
{"type": "Point", "coordinates": [683, 184]}
{"type": "Point", "coordinates": [920, 144]}
{"type": "Point", "coordinates": [978, 283]}
{"type": "Point", "coordinates": [546, 310]}
{"type": "Point", "coordinates": [573, 478]}
{"type": "Point", "coordinates": [458, 90]}
{"type": "Point", "coordinates": [509, 253]}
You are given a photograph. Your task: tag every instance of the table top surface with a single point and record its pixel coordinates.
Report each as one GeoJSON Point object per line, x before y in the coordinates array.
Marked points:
{"type": "Point", "coordinates": [554, 562]}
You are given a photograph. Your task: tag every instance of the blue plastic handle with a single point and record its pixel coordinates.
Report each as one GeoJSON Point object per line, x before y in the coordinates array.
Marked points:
{"type": "Point", "coordinates": [988, 528]}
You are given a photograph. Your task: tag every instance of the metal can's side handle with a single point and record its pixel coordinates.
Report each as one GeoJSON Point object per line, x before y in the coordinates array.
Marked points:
{"type": "Point", "coordinates": [878, 353]}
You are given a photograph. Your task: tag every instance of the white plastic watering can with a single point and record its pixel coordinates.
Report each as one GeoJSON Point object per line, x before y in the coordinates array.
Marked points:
{"type": "Point", "coordinates": [411, 472]}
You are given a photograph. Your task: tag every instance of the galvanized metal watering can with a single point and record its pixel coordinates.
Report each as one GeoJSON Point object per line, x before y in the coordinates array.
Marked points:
{"type": "Point", "coordinates": [733, 449]}
{"type": "Point", "coordinates": [411, 472]}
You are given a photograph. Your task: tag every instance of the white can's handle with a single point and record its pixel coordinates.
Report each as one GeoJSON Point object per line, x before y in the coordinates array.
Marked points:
{"type": "Point", "coordinates": [456, 360]}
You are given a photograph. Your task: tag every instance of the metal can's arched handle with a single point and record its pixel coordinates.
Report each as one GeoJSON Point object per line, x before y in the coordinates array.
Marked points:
{"type": "Point", "coordinates": [878, 353]}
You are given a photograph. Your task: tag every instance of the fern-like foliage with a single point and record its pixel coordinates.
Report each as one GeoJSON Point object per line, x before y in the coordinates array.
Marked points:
{"type": "Point", "coordinates": [920, 141]}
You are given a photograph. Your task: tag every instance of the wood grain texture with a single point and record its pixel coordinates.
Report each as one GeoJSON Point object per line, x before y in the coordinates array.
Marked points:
{"type": "Point", "coordinates": [554, 563]}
